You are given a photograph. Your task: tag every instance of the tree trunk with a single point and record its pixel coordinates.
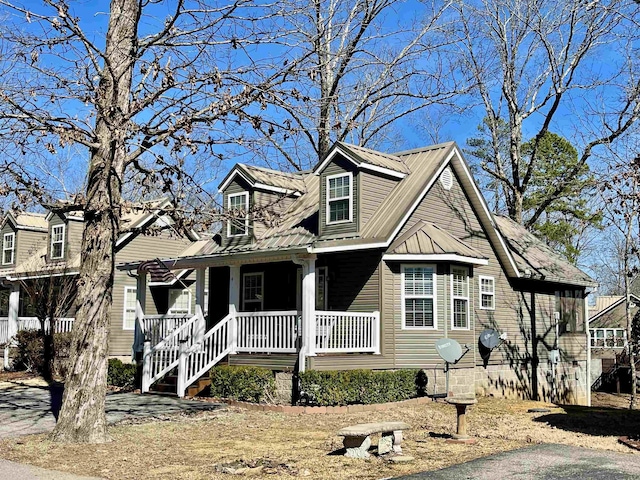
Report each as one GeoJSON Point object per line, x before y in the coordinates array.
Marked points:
{"type": "Point", "coordinates": [82, 418]}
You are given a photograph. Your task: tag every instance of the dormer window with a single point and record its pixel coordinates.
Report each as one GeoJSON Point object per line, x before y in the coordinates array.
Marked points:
{"type": "Point", "coordinates": [8, 248]}
{"type": "Point", "coordinates": [57, 242]}
{"type": "Point", "coordinates": [339, 198]}
{"type": "Point", "coordinates": [238, 211]}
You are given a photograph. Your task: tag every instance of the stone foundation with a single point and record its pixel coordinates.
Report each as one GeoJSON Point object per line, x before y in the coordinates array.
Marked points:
{"type": "Point", "coordinates": [284, 388]}
{"type": "Point", "coordinates": [505, 381]}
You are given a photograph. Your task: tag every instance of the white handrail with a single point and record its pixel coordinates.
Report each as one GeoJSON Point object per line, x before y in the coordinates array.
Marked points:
{"type": "Point", "coordinates": [267, 332]}
{"type": "Point", "coordinates": [161, 358]}
{"type": "Point", "coordinates": [216, 344]}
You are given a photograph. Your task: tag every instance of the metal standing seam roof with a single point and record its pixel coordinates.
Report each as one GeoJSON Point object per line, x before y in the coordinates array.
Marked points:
{"type": "Point", "coordinates": [297, 227]}
{"type": "Point", "coordinates": [532, 254]}
{"type": "Point", "coordinates": [274, 178]}
{"type": "Point", "coordinates": [31, 220]}
{"type": "Point", "coordinates": [372, 157]}
{"type": "Point", "coordinates": [427, 238]}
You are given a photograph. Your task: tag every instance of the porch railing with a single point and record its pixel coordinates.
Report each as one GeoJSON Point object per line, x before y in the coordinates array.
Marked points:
{"type": "Point", "coordinates": [4, 330]}
{"type": "Point", "coordinates": [347, 332]}
{"type": "Point", "coordinates": [266, 332]}
{"type": "Point", "coordinates": [162, 356]}
{"type": "Point", "coordinates": [62, 325]}
{"type": "Point", "coordinates": [193, 354]}
{"type": "Point", "coordinates": [608, 337]}
{"type": "Point", "coordinates": [158, 327]}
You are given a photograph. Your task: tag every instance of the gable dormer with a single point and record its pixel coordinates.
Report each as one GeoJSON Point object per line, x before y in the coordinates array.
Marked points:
{"type": "Point", "coordinates": [64, 235]}
{"type": "Point", "coordinates": [20, 235]}
{"type": "Point", "coordinates": [253, 200]}
{"type": "Point", "coordinates": [353, 183]}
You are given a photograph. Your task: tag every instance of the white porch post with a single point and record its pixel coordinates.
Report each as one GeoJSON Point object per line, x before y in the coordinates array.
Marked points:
{"type": "Point", "coordinates": [308, 309]}
{"type": "Point", "coordinates": [200, 326]}
{"type": "Point", "coordinates": [234, 303]}
{"type": "Point", "coordinates": [14, 306]}
{"type": "Point", "coordinates": [141, 301]}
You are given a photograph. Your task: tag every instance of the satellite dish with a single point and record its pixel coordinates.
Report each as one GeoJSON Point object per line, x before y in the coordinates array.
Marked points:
{"type": "Point", "coordinates": [489, 338]}
{"type": "Point", "coordinates": [449, 350]}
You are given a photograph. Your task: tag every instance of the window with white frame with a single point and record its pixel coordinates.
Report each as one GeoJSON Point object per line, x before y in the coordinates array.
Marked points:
{"type": "Point", "coordinates": [57, 241]}
{"type": "Point", "coordinates": [418, 296]}
{"type": "Point", "coordinates": [179, 302]}
{"type": "Point", "coordinates": [460, 297]}
{"type": "Point", "coordinates": [8, 248]}
{"type": "Point", "coordinates": [339, 198]}
{"type": "Point", "coordinates": [129, 316]}
{"type": "Point", "coordinates": [487, 293]}
{"type": "Point", "coordinates": [238, 211]}
{"type": "Point", "coordinates": [252, 291]}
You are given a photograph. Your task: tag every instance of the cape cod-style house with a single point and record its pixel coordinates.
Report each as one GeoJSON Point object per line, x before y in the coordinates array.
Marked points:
{"type": "Point", "coordinates": [37, 246]}
{"type": "Point", "coordinates": [365, 262]}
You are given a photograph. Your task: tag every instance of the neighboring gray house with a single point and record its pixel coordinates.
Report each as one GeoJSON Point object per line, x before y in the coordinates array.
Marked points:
{"type": "Point", "coordinates": [365, 262]}
{"type": "Point", "coordinates": [37, 245]}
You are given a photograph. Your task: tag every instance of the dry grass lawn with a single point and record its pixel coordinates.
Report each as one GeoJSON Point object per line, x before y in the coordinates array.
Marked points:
{"type": "Point", "coordinates": [302, 445]}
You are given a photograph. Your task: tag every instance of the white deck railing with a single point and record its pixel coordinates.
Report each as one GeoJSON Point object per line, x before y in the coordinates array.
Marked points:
{"type": "Point", "coordinates": [161, 357]}
{"type": "Point", "coordinates": [266, 332]}
{"type": "Point", "coordinates": [4, 330]}
{"type": "Point", "coordinates": [62, 325]}
{"type": "Point", "coordinates": [185, 347]}
{"type": "Point", "coordinates": [158, 327]}
{"type": "Point", "coordinates": [608, 337]}
{"type": "Point", "coordinates": [347, 332]}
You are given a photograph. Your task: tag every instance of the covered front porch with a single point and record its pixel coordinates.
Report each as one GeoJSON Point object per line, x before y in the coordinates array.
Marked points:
{"type": "Point", "coordinates": [277, 306]}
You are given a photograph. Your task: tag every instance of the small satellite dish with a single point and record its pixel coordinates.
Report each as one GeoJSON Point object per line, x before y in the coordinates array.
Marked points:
{"type": "Point", "coordinates": [489, 338]}
{"type": "Point", "coordinates": [449, 350]}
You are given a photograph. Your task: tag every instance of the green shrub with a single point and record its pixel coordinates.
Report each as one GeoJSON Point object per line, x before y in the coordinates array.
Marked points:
{"type": "Point", "coordinates": [327, 388]}
{"type": "Point", "coordinates": [30, 352]}
{"type": "Point", "coordinates": [250, 384]}
{"type": "Point", "coordinates": [121, 374]}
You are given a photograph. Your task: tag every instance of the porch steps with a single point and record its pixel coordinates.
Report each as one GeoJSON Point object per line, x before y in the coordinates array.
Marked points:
{"type": "Point", "coordinates": [198, 386]}
{"type": "Point", "coordinates": [168, 385]}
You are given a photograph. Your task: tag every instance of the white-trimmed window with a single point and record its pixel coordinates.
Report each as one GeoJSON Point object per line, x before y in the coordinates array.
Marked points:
{"type": "Point", "coordinates": [487, 293]}
{"type": "Point", "coordinates": [129, 315]}
{"type": "Point", "coordinates": [459, 298]}
{"type": "Point", "coordinates": [8, 248]}
{"type": "Point", "coordinates": [253, 291]}
{"type": "Point", "coordinates": [418, 296]}
{"type": "Point", "coordinates": [238, 211]}
{"type": "Point", "coordinates": [339, 198]}
{"type": "Point", "coordinates": [179, 302]}
{"type": "Point", "coordinates": [57, 241]}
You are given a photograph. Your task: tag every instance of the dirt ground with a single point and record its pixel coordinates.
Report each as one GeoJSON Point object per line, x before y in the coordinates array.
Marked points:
{"type": "Point", "coordinates": [199, 446]}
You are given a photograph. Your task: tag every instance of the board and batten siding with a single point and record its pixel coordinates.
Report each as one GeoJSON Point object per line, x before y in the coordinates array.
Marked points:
{"type": "Point", "coordinates": [142, 247]}
{"type": "Point", "coordinates": [345, 229]}
{"type": "Point", "coordinates": [373, 190]}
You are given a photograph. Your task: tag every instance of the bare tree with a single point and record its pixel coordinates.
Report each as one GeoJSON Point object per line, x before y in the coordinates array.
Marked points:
{"type": "Point", "coordinates": [51, 295]}
{"type": "Point", "coordinates": [363, 65]}
{"type": "Point", "coordinates": [537, 64]}
{"type": "Point", "coordinates": [621, 192]}
{"type": "Point", "coordinates": [161, 80]}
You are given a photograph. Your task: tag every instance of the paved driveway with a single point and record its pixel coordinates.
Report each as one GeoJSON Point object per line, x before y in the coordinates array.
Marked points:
{"type": "Point", "coordinates": [33, 409]}
{"type": "Point", "coordinates": [543, 462]}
